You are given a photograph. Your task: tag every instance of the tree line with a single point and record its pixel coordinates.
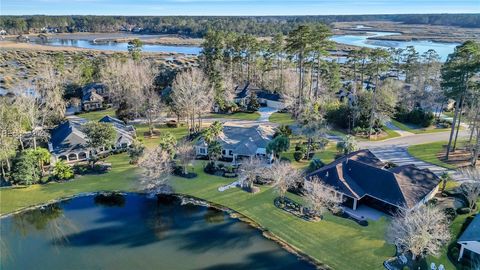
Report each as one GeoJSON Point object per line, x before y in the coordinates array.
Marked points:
{"type": "Point", "coordinates": [197, 26]}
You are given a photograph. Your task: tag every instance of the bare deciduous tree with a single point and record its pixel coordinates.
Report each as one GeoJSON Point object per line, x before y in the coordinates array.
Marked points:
{"type": "Point", "coordinates": [49, 86]}
{"type": "Point", "coordinates": [156, 170]}
{"type": "Point", "coordinates": [31, 108]}
{"type": "Point", "coordinates": [321, 197]}
{"type": "Point", "coordinates": [130, 83]}
{"type": "Point", "coordinates": [284, 177]}
{"type": "Point", "coordinates": [249, 170]}
{"type": "Point", "coordinates": [422, 231]}
{"type": "Point", "coordinates": [192, 94]}
{"type": "Point", "coordinates": [185, 153]}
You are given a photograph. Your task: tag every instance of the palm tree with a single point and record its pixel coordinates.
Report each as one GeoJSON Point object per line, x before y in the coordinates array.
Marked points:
{"type": "Point", "coordinates": [347, 145]}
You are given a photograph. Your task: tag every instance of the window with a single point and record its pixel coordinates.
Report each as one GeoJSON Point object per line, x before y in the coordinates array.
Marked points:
{"type": "Point", "coordinates": [202, 151]}
{"type": "Point", "coordinates": [230, 152]}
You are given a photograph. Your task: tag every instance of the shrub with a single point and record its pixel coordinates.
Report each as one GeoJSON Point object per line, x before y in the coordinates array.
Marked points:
{"type": "Point", "coordinates": [172, 124]}
{"type": "Point", "coordinates": [298, 156]}
{"type": "Point", "coordinates": [284, 130]}
{"type": "Point", "coordinates": [450, 213]}
{"type": "Point", "coordinates": [315, 164]}
{"type": "Point", "coordinates": [416, 116]}
{"type": "Point", "coordinates": [210, 168]}
{"type": "Point", "coordinates": [62, 171]}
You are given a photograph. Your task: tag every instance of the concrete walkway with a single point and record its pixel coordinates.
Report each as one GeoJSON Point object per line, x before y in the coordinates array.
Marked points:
{"type": "Point", "coordinates": [265, 113]}
{"type": "Point", "coordinates": [398, 130]}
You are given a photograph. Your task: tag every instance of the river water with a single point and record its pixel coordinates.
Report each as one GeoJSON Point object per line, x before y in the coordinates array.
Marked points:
{"type": "Point", "coordinates": [443, 49]}
{"type": "Point", "coordinates": [135, 232]}
{"type": "Point", "coordinates": [120, 46]}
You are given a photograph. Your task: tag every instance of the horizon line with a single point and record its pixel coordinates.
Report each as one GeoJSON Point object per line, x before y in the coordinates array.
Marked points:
{"type": "Point", "coordinates": [246, 15]}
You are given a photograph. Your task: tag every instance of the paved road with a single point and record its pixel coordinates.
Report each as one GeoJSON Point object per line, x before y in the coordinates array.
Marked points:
{"type": "Point", "coordinates": [395, 150]}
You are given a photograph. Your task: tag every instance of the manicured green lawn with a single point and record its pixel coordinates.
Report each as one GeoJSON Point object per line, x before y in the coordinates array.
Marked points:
{"type": "Point", "coordinates": [178, 133]}
{"type": "Point", "coordinates": [236, 116]}
{"type": "Point", "coordinates": [326, 156]}
{"type": "Point", "coordinates": [97, 115]}
{"type": "Point", "coordinates": [334, 241]}
{"type": "Point", "coordinates": [418, 130]}
{"type": "Point", "coordinates": [120, 178]}
{"type": "Point", "coordinates": [428, 153]}
{"type": "Point", "coordinates": [282, 118]}
{"type": "Point", "coordinates": [337, 242]}
{"type": "Point", "coordinates": [389, 135]}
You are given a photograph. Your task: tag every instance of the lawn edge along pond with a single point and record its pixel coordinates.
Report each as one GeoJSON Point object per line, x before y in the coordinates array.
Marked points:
{"type": "Point", "coordinates": [333, 242]}
{"type": "Point", "coordinates": [188, 199]}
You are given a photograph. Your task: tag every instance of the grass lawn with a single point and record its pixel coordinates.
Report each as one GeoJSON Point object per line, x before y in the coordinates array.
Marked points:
{"type": "Point", "coordinates": [282, 118]}
{"type": "Point", "coordinates": [326, 156]}
{"type": "Point", "coordinates": [97, 115]}
{"type": "Point", "coordinates": [418, 130]}
{"type": "Point", "coordinates": [428, 153]}
{"type": "Point", "coordinates": [120, 178]}
{"type": "Point", "coordinates": [336, 242]}
{"type": "Point", "coordinates": [235, 116]}
{"type": "Point", "coordinates": [178, 133]}
{"type": "Point", "coordinates": [389, 135]}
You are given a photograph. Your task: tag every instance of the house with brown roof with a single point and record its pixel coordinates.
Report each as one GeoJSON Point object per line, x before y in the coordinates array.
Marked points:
{"type": "Point", "coordinates": [361, 178]}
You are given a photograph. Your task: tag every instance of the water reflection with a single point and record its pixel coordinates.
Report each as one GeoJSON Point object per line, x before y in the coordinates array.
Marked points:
{"type": "Point", "coordinates": [115, 231]}
{"type": "Point", "coordinates": [110, 200]}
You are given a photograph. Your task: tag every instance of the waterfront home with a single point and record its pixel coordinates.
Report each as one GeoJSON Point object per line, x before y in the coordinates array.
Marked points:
{"type": "Point", "coordinates": [470, 241]}
{"type": "Point", "coordinates": [360, 178]}
{"type": "Point", "coordinates": [240, 142]}
{"type": "Point", "coordinates": [68, 141]}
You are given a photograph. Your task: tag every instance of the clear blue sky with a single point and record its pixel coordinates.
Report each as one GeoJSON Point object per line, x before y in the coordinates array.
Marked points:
{"type": "Point", "coordinates": [234, 7]}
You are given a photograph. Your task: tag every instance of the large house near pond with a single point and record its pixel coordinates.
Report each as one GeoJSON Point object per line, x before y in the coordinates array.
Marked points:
{"type": "Point", "coordinates": [470, 241]}
{"type": "Point", "coordinates": [68, 141]}
{"type": "Point", "coordinates": [361, 178]}
{"type": "Point", "coordinates": [240, 142]}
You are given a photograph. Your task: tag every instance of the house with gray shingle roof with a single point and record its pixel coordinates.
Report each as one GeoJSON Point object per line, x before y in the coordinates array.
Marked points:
{"type": "Point", "coordinates": [68, 141]}
{"type": "Point", "coordinates": [240, 142]}
{"type": "Point", "coordinates": [470, 240]}
{"type": "Point", "coordinates": [93, 96]}
{"type": "Point", "coordinates": [361, 178]}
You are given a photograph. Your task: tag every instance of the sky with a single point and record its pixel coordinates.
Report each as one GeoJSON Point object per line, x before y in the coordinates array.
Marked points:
{"type": "Point", "coordinates": [234, 7]}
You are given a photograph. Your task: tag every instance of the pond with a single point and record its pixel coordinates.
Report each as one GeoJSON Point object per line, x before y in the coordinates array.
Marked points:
{"type": "Point", "coordinates": [119, 46]}
{"type": "Point", "coordinates": [136, 232]}
{"type": "Point", "coordinates": [443, 49]}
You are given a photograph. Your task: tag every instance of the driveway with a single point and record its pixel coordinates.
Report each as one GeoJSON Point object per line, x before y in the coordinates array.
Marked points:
{"type": "Point", "coordinates": [265, 113]}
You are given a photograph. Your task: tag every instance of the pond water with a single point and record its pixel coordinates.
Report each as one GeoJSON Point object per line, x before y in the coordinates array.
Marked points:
{"type": "Point", "coordinates": [443, 49]}
{"type": "Point", "coordinates": [135, 232]}
{"type": "Point", "coordinates": [119, 46]}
